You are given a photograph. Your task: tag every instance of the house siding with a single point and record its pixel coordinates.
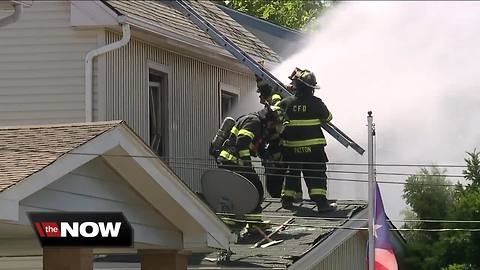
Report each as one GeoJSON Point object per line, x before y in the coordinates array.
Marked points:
{"type": "Point", "coordinates": [350, 255]}
{"type": "Point", "coordinates": [193, 106]}
{"type": "Point", "coordinates": [96, 187]}
{"type": "Point", "coordinates": [42, 66]}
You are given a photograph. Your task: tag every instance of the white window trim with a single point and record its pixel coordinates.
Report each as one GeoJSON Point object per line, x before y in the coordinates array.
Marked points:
{"type": "Point", "coordinates": [159, 67]}
{"type": "Point", "coordinates": [227, 88]}
{"type": "Point", "coordinates": [149, 64]}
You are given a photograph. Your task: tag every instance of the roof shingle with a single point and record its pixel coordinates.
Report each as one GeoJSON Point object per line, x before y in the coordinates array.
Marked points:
{"type": "Point", "coordinates": [25, 150]}
{"type": "Point", "coordinates": [307, 230]}
{"type": "Point", "coordinates": [160, 13]}
{"type": "Point", "coordinates": [305, 233]}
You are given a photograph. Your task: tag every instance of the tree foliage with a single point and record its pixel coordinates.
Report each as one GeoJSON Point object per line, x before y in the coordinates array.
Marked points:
{"type": "Point", "coordinates": [294, 14]}
{"type": "Point", "coordinates": [457, 267]}
{"type": "Point", "coordinates": [472, 173]}
{"type": "Point", "coordinates": [430, 197]}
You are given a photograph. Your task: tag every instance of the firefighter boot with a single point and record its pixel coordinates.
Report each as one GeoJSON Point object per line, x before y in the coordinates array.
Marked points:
{"type": "Point", "coordinates": [323, 205]}
{"type": "Point", "coordinates": [287, 202]}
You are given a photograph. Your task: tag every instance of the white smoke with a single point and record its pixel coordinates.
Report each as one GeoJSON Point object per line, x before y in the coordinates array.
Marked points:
{"type": "Point", "coordinates": [416, 66]}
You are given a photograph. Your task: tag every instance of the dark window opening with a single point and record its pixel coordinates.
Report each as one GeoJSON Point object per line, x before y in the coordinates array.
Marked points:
{"type": "Point", "coordinates": [158, 114]}
{"type": "Point", "coordinates": [229, 100]}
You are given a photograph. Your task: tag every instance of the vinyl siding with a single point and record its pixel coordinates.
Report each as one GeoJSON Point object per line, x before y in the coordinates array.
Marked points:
{"type": "Point", "coordinates": [96, 187]}
{"type": "Point", "coordinates": [193, 106]}
{"type": "Point", "coordinates": [350, 255]}
{"type": "Point", "coordinates": [42, 66]}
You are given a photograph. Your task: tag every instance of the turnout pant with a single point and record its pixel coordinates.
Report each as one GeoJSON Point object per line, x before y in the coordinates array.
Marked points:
{"type": "Point", "coordinates": [274, 177]}
{"type": "Point", "coordinates": [313, 167]}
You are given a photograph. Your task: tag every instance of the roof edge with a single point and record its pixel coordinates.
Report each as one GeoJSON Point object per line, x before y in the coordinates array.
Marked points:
{"type": "Point", "coordinates": [182, 186]}
{"type": "Point", "coordinates": [291, 30]}
{"type": "Point", "coordinates": [324, 248]}
{"type": "Point", "coordinates": [196, 209]}
{"type": "Point", "coordinates": [119, 134]}
{"type": "Point", "coordinates": [178, 36]}
{"type": "Point", "coordinates": [78, 124]}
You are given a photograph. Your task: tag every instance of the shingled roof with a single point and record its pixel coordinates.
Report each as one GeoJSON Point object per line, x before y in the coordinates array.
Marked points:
{"type": "Point", "coordinates": [160, 13]}
{"type": "Point", "coordinates": [26, 150]}
{"type": "Point", "coordinates": [306, 232]}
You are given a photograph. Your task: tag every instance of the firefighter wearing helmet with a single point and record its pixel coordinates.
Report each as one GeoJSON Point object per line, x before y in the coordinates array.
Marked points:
{"type": "Point", "coordinates": [246, 140]}
{"type": "Point", "coordinates": [304, 142]}
{"type": "Point", "coordinates": [272, 161]}
{"type": "Point", "coordinates": [266, 94]}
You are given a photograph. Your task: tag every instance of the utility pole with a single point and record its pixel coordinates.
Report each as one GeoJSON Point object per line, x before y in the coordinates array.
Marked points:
{"type": "Point", "coordinates": [371, 194]}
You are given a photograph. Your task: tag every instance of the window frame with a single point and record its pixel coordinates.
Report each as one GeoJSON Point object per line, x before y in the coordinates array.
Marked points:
{"type": "Point", "coordinates": [166, 72]}
{"type": "Point", "coordinates": [230, 90]}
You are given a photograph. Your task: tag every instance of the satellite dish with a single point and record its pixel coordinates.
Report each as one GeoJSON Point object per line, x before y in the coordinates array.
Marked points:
{"type": "Point", "coordinates": [229, 192]}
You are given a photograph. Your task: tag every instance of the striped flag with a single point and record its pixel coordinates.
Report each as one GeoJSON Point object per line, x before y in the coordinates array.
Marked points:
{"type": "Point", "coordinates": [384, 253]}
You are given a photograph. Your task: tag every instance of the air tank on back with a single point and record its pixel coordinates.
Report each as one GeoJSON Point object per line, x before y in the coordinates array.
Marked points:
{"type": "Point", "coordinates": [222, 134]}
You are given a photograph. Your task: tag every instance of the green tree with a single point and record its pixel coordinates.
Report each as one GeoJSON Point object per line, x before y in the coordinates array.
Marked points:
{"type": "Point", "coordinates": [472, 173]}
{"type": "Point", "coordinates": [457, 267]}
{"type": "Point", "coordinates": [462, 246]}
{"type": "Point", "coordinates": [429, 197]}
{"type": "Point", "coordinates": [428, 194]}
{"type": "Point", "coordinates": [289, 13]}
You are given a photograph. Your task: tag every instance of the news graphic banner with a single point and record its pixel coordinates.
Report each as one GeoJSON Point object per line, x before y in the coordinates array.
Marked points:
{"type": "Point", "coordinates": [86, 229]}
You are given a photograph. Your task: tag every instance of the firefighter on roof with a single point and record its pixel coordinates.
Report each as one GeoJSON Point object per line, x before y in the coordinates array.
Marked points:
{"type": "Point", "coordinates": [304, 142]}
{"type": "Point", "coordinates": [246, 139]}
{"type": "Point", "coordinates": [267, 95]}
{"type": "Point", "coordinates": [275, 168]}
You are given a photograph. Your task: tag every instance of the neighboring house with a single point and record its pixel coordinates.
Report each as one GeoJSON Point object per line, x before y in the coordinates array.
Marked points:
{"type": "Point", "coordinates": [171, 83]}
{"type": "Point", "coordinates": [284, 41]}
{"type": "Point", "coordinates": [102, 166]}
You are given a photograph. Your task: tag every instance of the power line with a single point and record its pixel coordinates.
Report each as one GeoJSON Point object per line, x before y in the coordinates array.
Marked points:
{"type": "Point", "coordinates": [335, 218]}
{"type": "Point", "coordinates": [313, 170]}
{"type": "Point", "coordinates": [253, 161]}
{"type": "Point", "coordinates": [335, 227]}
{"type": "Point", "coordinates": [361, 219]}
{"type": "Point", "coordinates": [236, 166]}
{"type": "Point", "coordinates": [328, 178]}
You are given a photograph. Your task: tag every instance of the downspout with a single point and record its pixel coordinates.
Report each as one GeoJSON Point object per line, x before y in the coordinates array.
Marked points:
{"type": "Point", "coordinates": [12, 18]}
{"type": "Point", "coordinates": [89, 65]}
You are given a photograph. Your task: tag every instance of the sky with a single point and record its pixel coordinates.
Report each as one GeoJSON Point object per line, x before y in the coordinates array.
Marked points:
{"type": "Point", "coordinates": [416, 66]}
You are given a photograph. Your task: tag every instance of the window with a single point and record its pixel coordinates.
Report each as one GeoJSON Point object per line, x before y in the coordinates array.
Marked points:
{"type": "Point", "coordinates": [228, 99]}
{"type": "Point", "coordinates": [158, 111]}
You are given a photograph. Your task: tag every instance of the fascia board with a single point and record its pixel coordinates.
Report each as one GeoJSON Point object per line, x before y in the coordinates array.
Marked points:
{"type": "Point", "coordinates": [60, 167]}
{"type": "Point", "coordinates": [97, 14]}
{"type": "Point", "coordinates": [322, 250]}
{"type": "Point", "coordinates": [163, 31]}
{"type": "Point", "coordinates": [123, 136]}
{"type": "Point", "coordinates": [190, 51]}
{"type": "Point", "coordinates": [91, 13]}
{"type": "Point", "coordinates": [178, 191]}
{"type": "Point", "coordinates": [197, 46]}
{"type": "Point", "coordinates": [9, 209]}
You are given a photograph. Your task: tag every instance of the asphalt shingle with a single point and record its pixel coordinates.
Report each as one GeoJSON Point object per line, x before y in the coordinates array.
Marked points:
{"type": "Point", "coordinates": [305, 233]}
{"type": "Point", "coordinates": [307, 230]}
{"type": "Point", "coordinates": [163, 15]}
{"type": "Point", "coordinates": [25, 150]}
